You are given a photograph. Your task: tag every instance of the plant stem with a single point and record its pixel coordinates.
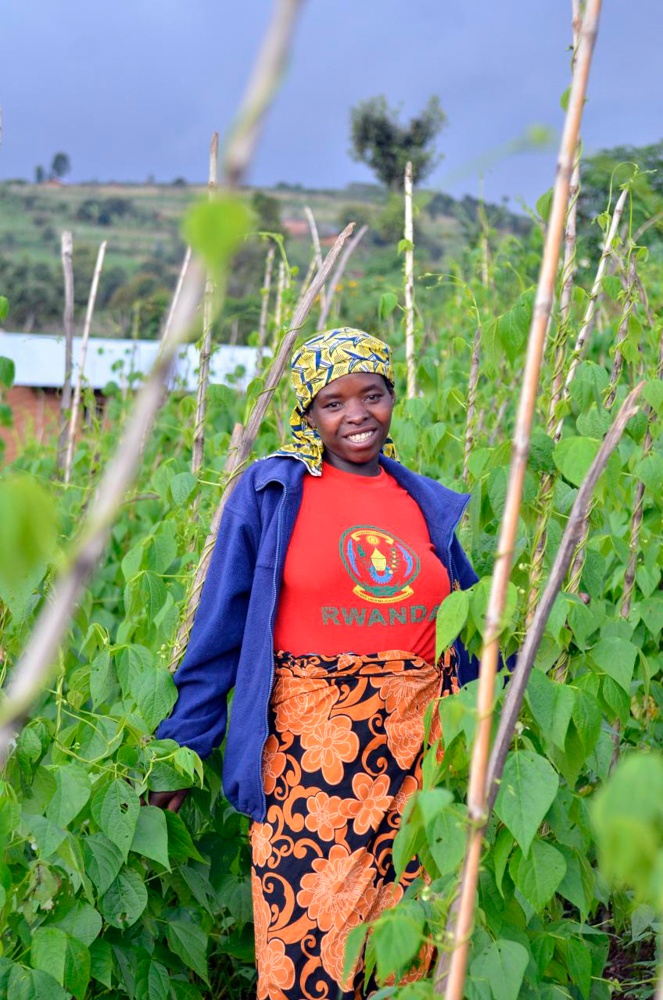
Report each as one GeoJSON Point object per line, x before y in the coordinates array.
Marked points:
{"type": "Point", "coordinates": [206, 342]}
{"type": "Point", "coordinates": [81, 361]}
{"type": "Point", "coordinates": [472, 401]}
{"type": "Point", "coordinates": [502, 569]}
{"type": "Point", "coordinates": [408, 272]}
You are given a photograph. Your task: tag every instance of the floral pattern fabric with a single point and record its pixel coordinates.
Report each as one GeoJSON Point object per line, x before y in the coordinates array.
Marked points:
{"type": "Point", "coordinates": [343, 756]}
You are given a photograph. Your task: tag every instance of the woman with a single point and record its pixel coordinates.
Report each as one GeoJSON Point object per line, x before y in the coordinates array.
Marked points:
{"type": "Point", "coordinates": [319, 608]}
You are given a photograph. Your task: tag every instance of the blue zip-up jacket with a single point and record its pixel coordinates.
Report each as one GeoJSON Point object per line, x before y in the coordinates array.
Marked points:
{"type": "Point", "coordinates": [232, 642]}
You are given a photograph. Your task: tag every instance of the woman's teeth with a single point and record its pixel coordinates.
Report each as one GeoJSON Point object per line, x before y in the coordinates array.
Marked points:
{"type": "Point", "coordinates": [358, 438]}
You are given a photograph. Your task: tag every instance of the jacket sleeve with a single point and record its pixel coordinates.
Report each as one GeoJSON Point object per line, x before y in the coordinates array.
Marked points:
{"type": "Point", "coordinates": [463, 577]}
{"type": "Point", "coordinates": [209, 668]}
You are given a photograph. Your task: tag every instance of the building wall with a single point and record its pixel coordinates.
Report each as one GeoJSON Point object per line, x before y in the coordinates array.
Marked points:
{"type": "Point", "coordinates": [36, 416]}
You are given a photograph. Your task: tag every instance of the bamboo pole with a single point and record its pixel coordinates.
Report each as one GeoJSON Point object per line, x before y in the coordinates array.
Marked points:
{"type": "Point", "coordinates": [243, 444]}
{"type": "Point", "coordinates": [33, 669]}
{"type": "Point", "coordinates": [264, 304]}
{"type": "Point", "coordinates": [67, 253]}
{"type": "Point", "coordinates": [71, 436]}
{"type": "Point", "coordinates": [347, 252]}
{"type": "Point", "coordinates": [471, 402]}
{"type": "Point", "coordinates": [206, 342]}
{"type": "Point", "coordinates": [408, 273]}
{"type": "Point", "coordinates": [574, 527]}
{"type": "Point", "coordinates": [502, 569]}
{"type": "Point", "coordinates": [622, 332]}
{"type": "Point", "coordinates": [317, 258]}
{"type": "Point", "coordinates": [560, 392]}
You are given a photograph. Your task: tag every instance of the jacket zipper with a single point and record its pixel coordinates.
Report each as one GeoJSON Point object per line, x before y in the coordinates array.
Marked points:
{"type": "Point", "coordinates": [271, 638]}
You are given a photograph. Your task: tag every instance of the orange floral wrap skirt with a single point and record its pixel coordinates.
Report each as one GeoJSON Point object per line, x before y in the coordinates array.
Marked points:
{"type": "Point", "coordinates": [343, 756]}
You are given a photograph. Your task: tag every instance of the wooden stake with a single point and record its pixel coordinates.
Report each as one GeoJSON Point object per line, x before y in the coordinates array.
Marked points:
{"type": "Point", "coordinates": [317, 258]}
{"type": "Point", "coordinates": [68, 322]}
{"type": "Point", "coordinates": [71, 436]}
{"type": "Point", "coordinates": [408, 272]}
{"type": "Point", "coordinates": [529, 649]}
{"type": "Point", "coordinates": [471, 401]}
{"type": "Point", "coordinates": [348, 251]}
{"type": "Point", "coordinates": [264, 305]}
{"type": "Point", "coordinates": [502, 569]}
{"type": "Point", "coordinates": [206, 342]}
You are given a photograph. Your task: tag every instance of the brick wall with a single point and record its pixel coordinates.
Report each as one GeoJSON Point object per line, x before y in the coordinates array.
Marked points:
{"type": "Point", "coordinates": [36, 416]}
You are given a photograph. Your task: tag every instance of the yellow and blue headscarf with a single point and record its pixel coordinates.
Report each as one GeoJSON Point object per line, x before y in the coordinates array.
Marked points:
{"type": "Point", "coordinates": [318, 362]}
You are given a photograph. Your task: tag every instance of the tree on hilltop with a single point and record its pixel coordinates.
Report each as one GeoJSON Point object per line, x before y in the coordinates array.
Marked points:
{"type": "Point", "coordinates": [60, 166]}
{"type": "Point", "coordinates": [385, 145]}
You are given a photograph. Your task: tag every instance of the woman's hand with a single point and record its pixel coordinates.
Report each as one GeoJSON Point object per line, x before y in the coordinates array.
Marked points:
{"type": "Point", "coordinates": [168, 800]}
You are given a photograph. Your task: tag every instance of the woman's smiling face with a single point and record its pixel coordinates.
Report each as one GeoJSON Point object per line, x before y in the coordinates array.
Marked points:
{"type": "Point", "coordinates": [352, 416]}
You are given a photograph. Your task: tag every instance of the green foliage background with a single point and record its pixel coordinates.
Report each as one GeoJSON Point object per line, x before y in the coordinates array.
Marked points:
{"type": "Point", "coordinates": [101, 896]}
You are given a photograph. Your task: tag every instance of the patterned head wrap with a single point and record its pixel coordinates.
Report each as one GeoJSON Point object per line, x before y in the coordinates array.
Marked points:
{"type": "Point", "coordinates": [315, 364]}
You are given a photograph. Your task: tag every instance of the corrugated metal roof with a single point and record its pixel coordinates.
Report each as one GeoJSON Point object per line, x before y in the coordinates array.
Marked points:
{"type": "Point", "coordinates": [39, 361]}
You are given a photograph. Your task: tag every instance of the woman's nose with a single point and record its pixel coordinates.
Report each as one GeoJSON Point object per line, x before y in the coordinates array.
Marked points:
{"type": "Point", "coordinates": [355, 411]}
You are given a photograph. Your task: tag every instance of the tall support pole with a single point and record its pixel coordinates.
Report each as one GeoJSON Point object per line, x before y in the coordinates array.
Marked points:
{"type": "Point", "coordinates": [408, 234]}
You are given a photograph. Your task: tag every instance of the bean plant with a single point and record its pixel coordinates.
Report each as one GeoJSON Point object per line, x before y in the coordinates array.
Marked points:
{"type": "Point", "coordinates": [102, 895]}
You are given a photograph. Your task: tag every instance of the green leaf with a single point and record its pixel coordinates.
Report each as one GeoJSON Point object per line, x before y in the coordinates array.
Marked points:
{"type": "Point", "coordinates": [447, 837]}
{"type": "Point", "coordinates": [573, 457]}
{"type": "Point", "coordinates": [578, 883]}
{"type": "Point", "coordinates": [133, 561]}
{"type": "Point", "coordinates": [180, 845]}
{"type": "Point", "coordinates": [101, 962]}
{"type": "Point", "coordinates": [653, 394]}
{"type": "Point", "coordinates": [189, 942]}
{"type": "Point", "coordinates": [513, 326]}
{"type": "Point", "coordinates": [153, 592]}
{"type": "Point", "coordinates": [451, 618]}
{"type": "Point", "coordinates": [627, 816]}
{"type": "Point", "coordinates": [501, 852]}
{"type": "Point", "coordinates": [588, 385]}
{"type": "Point", "coordinates": [7, 366]}
{"type": "Point", "coordinates": [103, 860]}
{"type": "Point", "coordinates": [551, 704]}
{"type": "Point", "coordinates": [151, 835]}
{"type": "Point", "coordinates": [650, 472]}
{"type": "Point", "coordinates": [162, 547]}
{"type": "Point", "coordinates": [155, 695]}
{"type": "Point", "coordinates": [72, 791]}
{"type": "Point", "coordinates": [46, 833]}
{"type": "Point", "coordinates": [579, 964]}
{"type": "Point", "coordinates": [216, 228]}
{"type": "Point", "coordinates": [587, 718]}
{"type": "Point", "coordinates": [181, 487]}
{"type": "Point", "coordinates": [539, 874]}
{"type": "Point", "coordinates": [397, 938]}
{"type": "Point", "coordinates": [28, 528]}
{"type": "Point", "coordinates": [529, 786]}
{"type": "Point", "coordinates": [125, 899]}
{"type": "Point", "coordinates": [502, 965]}
{"type": "Point", "coordinates": [82, 922]}
{"type": "Point", "coordinates": [651, 612]}
{"type": "Point", "coordinates": [616, 657]}
{"type": "Point", "coordinates": [64, 957]}
{"type": "Point", "coordinates": [33, 984]}
{"type": "Point", "coordinates": [102, 678]}
{"type": "Point", "coordinates": [4, 307]}
{"type": "Point", "coordinates": [353, 948]}
{"type": "Point", "coordinates": [152, 980]}
{"type": "Point", "coordinates": [387, 304]}
{"type": "Point", "coordinates": [115, 808]}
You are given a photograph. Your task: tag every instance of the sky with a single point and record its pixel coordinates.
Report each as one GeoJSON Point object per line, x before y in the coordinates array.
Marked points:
{"type": "Point", "coordinates": [134, 88]}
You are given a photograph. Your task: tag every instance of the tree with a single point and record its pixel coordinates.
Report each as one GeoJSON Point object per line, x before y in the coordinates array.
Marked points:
{"type": "Point", "coordinates": [61, 165]}
{"type": "Point", "coordinates": [40, 174]}
{"type": "Point", "coordinates": [385, 145]}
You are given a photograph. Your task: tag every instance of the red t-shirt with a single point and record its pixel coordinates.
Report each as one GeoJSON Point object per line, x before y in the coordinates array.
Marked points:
{"type": "Point", "coordinates": [361, 575]}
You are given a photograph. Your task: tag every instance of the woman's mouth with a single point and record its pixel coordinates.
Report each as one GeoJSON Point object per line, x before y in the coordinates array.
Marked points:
{"type": "Point", "coordinates": [360, 437]}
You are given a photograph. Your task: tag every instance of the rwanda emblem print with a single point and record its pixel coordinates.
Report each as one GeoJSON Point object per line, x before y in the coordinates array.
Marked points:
{"type": "Point", "coordinates": [381, 566]}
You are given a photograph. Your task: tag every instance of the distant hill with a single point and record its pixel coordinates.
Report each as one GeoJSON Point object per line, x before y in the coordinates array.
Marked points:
{"type": "Point", "coordinates": [142, 226]}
